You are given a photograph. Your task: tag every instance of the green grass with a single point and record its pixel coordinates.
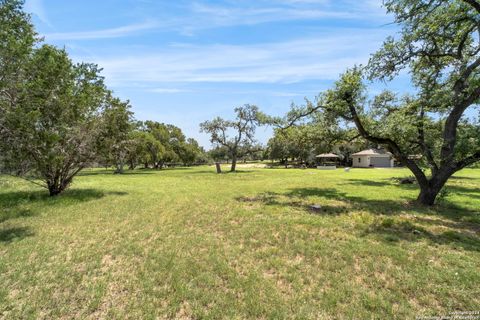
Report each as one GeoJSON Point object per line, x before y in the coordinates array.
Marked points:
{"type": "Point", "coordinates": [187, 243]}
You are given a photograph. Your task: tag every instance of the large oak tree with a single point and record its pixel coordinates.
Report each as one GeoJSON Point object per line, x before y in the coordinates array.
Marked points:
{"type": "Point", "coordinates": [439, 45]}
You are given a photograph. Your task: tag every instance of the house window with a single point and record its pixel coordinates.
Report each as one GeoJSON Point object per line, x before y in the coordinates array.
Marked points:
{"type": "Point", "coordinates": [359, 160]}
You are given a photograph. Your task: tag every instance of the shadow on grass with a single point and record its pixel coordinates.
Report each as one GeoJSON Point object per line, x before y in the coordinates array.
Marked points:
{"type": "Point", "coordinates": [469, 192]}
{"type": "Point", "coordinates": [8, 214]}
{"type": "Point", "coordinates": [11, 203]}
{"type": "Point", "coordinates": [237, 172]}
{"type": "Point", "coordinates": [224, 172]}
{"type": "Point", "coordinates": [462, 178]}
{"type": "Point", "coordinates": [111, 172]}
{"type": "Point", "coordinates": [138, 171]}
{"type": "Point", "coordinates": [299, 198]}
{"type": "Point", "coordinates": [393, 182]}
{"type": "Point", "coordinates": [390, 225]}
{"type": "Point", "coordinates": [14, 234]}
{"type": "Point", "coordinates": [369, 183]}
{"type": "Point", "coordinates": [391, 231]}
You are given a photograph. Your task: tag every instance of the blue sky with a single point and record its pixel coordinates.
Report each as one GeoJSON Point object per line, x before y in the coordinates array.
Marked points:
{"type": "Point", "coordinates": [183, 62]}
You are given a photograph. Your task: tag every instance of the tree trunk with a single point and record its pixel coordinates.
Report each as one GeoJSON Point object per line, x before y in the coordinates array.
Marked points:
{"type": "Point", "coordinates": [430, 190]}
{"type": "Point", "coordinates": [54, 191]}
{"type": "Point", "coordinates": [56, 186]}
{"type": "Point", "coordinates": [234, 164]}
{"type": "Point", "coordinates": [119, 169]}
{"type": "Point", "coordinates": [427, 196]}
{"type": "Point", "coordinates": [218, 167]}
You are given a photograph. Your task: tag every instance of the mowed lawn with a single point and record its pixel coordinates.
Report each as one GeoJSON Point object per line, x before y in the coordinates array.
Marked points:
{"type": "Point", "coordinates": [187, 243]}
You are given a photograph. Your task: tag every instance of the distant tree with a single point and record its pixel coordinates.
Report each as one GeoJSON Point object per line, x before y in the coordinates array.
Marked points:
{"type": "Point", "coordinates": [156, 141]}
{"type": "Point", "coordinates": [219, 153]}
{"type": "Point", "coordinates": [190, 151]}
{"type": "Point", "coordinates": [117, 123]}
{"type": "Point", "coordinates": [235, 135]}
{"type": "Point", "coordinates": [318, 133]}
{"type": "Point", "coordinates": [176, 143]}
{"type": "Point", "coordinates": [159, 144]}
{"type": "Point", "coordinates": [136, 149]}
{"type": "Point", "coordinates": [171, 139]}
{"type": "Point", "coordinates": [202, 157]}
{"type": "Point", "coordinates": [251, 152]}
{"type": "Point", "coordinates": [278, 148]}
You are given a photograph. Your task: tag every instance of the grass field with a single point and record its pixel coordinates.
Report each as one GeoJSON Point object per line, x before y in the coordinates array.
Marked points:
{"type": "Point", "coordinates": [190, 244]}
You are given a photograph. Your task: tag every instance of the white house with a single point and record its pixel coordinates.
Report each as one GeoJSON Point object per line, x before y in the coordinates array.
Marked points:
{"type": "Point", "coordinates": [373, 158]}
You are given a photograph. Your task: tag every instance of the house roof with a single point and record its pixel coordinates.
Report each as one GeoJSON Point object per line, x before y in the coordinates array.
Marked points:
{"type": "Point", "coordinates": [327, 155]}
{"type": "Point", "coordinates": [373, 152]}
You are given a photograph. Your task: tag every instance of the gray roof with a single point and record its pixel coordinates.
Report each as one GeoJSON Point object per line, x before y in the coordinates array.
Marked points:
{"type": "Point", "coordinates": [327, 155]}
{"type": "Point", "coordinates": [373, 152]}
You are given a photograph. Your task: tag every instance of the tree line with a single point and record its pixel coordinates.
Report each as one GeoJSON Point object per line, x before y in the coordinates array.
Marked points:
{"type": "Point", "coordinates": [58, 117]}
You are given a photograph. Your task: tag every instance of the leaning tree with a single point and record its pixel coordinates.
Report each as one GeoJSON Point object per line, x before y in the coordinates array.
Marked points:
{"type": "Point", "coordinates": [439, 44]}
{"type": "Point", "coordinates": [237, 136]}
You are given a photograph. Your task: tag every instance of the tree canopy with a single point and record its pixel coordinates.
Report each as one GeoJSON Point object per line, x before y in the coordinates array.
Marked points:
{"type": "Point", "coordinates": [439, 45]}
{"type": "Point", "coordinates": [237, 136]}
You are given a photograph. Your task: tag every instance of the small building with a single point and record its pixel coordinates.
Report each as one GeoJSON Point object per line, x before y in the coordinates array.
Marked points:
{"type": "Point", "coordinates": [327, 161]}
{"type": "Point", "coordinates": [373, 158]}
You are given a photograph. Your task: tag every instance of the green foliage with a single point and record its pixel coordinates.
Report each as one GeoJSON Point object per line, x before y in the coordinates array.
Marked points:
{"type": "Point", "coordinates": [51, 130]}
{"type": "Point", "coordinates": [166, 143]}
{"type": "Point", "coordinates": [17, 39]}
{"type": "Point", "coordinates": [117, 124]}
{"type": "Point", "coordinates": [438, 44]}
{"type": "Point", "coordinates": [236, 136]}
{"type": "Point", "coordinates": [319, 132]}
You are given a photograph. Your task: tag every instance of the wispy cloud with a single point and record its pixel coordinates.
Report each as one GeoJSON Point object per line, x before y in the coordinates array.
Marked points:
{"type": "Point", "coordinates": [103, 33]}
{"type": "Point", "coordinates": [197, 16]}
{"type": "Point", "coordinates": [167, 90]}
{"type": "Point", "coordinates": [322, 57]}
{"type": "Point", "coordinates": [205, 15]}
{"type": "Point", "coordinates": [37, 8]}
{"type": "Point", "coordinates": [219, 15]}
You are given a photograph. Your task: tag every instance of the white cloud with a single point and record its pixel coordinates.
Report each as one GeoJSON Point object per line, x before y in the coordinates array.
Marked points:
{"type": "Point", "coordinates": [254, 15]}
{"type": "Point", "coordinates": [245, 13]}
{"type": "Point", "coordinates": [319, 58]}
{"type": "Point", "coordinates": [200, 15]}
{"type": "Point", "coordinates": [104, 33]}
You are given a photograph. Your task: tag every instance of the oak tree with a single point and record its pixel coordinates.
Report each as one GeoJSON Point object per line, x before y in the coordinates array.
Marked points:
{"type": "Point", "coordinates": [237, 136]}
